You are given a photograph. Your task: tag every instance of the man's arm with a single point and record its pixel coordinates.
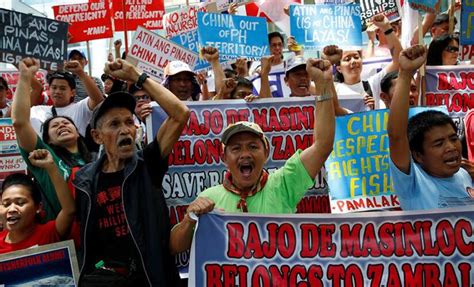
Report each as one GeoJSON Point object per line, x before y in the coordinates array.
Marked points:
{"type": "Point", "coordinates": [265, 91]}
{"type": "Point", "coordinates": [313, 157]}
{"type": "Point", "coordinates": [94, 93]}
{"type": "Point", "coordinates": [25, 134]}
{"type": "Point", "coordinates": [181, 235]}
{"type": "Point", "coordinates": [211, 55]}
{"type": "Point", "coordinates": [410, 60]}
{"type": "Point", "coordinates": [381, 22]}
{"type": "Point", "coordinates": [178, 113]}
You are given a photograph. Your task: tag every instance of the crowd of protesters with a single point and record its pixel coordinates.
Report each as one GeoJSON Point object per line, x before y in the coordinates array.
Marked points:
{"type": "Point", "coordinates": [90, 162]}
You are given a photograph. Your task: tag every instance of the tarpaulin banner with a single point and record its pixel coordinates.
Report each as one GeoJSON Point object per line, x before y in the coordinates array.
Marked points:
{"type": "Point", "coordinates": [147, 13]}
{"type": "Point", "coordinates": [24, 35]}
{"type": "Point", "coordinates": [416, 248]}
{"type": "Point", "coordinates": [234, 36]}
{"type": "Point", "coordinates": [316, 26]}
{"type": "Point", "coordinates": [467, 24]}
{"type": "Point", "coordinates": [88, 21]}
{"type": "Point", "coordinates": [195, 161]}
{"type": "Point", "coordinates": [12, 76]}
{"type": "Point", "coordinates": [155, 51]}
{"type": "Point", "coordinates": [190, 40]}
{"type": "Point", "coordinates": [451, 86]}
{"type": "Point", "coordinates": [48, 265]}
{"type": "Point", "coordinates": [182, 20]}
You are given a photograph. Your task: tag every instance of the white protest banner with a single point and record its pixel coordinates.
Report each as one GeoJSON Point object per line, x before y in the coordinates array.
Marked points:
{"type": "Point", "coordinates": [10, 158]}
{"type": "Point", "coordinates": [274, 9]}
{"type": "Point", "coordinates": [155, 51]}
{"type": "Point", "coordinates": [234, 36]}
{"type": "Point", "coordinates": [24, 35]}
{"type": "Point", "coordinates": [182, 20]}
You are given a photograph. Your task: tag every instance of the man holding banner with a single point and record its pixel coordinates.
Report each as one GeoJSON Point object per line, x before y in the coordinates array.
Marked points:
{"type": "Point", "coordinates": [425, 152]}
{"type": "Point", "coordinates": [247, 187]}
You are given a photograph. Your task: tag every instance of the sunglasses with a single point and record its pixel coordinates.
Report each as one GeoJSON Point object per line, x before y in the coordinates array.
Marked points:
{"type": "Point", "coordinates": [142, 98]}
{"type": "Point", "coordinates": [452, 49]}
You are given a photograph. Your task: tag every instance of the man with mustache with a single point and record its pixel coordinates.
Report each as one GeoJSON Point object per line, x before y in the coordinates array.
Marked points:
{"type": "Point", "coordinates": [125, 224]}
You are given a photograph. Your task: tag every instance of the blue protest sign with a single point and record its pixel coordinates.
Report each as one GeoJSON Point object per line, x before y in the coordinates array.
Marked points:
{"type": "Point", "coordinates": [316, 26]}
{"type": "Point", "coordinates": [189, 40]}
{"type": "Point", "coordinates": [234, 36]}
{"type": "Point", "coordinates": [411, 248]}
{"type": "Point", "coordinates": [467, 24]}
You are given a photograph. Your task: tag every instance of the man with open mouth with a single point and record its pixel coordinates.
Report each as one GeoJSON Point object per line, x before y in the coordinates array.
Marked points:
{"type": "Point", "coordinates": [125, 226]}
{"type": "Point", "coordinates": [247, 187]}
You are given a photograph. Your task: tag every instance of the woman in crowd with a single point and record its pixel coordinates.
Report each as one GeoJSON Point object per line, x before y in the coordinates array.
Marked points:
{"type": "Point", "coordinates": [59, 136]}
{"type": "Point", "coordinates": [20, 208]}
{"type": "Point", "coordinates": [443, 50]}
{"type": "Point", "coordinates": [349, 67]}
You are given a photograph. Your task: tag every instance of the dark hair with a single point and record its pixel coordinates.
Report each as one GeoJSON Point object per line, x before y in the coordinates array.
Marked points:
{"type": "Point", "coordinates": [437, 46]}
{"type": "Point", "coordinates": [422, 123]}
{"type": "Point", "coordinates": [25, 180]}
{"type": "Point", "coordinates": [338, 76]}
{"type": "Point", "coordinates": [4, 82]}
{"type": "Point", "coordinates": [230, 73]}
{"type": "Point", "coordinates": [62, 76]}
{"type": "Point", "coordinates": [62, 152]}
{"type": "Point", "coordinates": [274, 35]}
{"type": "Point", "coordinates": [386, 82]}
{"type": "Point", "coordinates": [443, 18]}
{"type": "Point", "coordinates": [241, 82]}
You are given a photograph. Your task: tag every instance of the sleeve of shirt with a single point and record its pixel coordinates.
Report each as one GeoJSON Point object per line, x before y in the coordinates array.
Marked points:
{"type": "Point", "coordinates": [403, 184]}
{"type": "Point", "coordinates": [49, 233]}
{"type": "Point", "coordinates": [156, 164]}
{"type": "Point", "coordinates": [292, 180]}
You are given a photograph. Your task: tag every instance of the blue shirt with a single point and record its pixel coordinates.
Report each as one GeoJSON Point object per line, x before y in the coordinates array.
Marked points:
{"type": "Point", "coordinates": [419, 190]}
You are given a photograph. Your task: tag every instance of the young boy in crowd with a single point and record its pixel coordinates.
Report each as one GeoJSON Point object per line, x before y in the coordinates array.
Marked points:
{"type": "Point", "coordinates": [425, 151]}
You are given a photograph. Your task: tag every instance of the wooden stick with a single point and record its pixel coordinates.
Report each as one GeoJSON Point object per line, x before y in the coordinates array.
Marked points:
{"type": "Point", "coordinates": [89, 57]}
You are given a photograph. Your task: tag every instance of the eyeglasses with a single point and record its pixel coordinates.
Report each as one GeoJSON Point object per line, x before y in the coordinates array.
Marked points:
{"type": "Point", "coordinates": [452, 49]}
{"type": "Point", "coordinates": [144, 97]}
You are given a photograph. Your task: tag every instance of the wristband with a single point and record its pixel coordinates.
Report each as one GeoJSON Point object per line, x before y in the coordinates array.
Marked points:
{"type": "Point", "coordinates": [141, 80]}
{"type": "Point", "coordinates": [323, 98]}
{"type": "Point", "coordinates": [388, 31]}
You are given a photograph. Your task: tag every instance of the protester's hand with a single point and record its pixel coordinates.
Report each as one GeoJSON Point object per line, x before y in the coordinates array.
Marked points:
{"type": "Point", "coordinates": [250, 98]}
{"type": "Point", "coordinates": [110, 57]}
{"type": "Point", "coordinates": [468, 166]}
{"type": "Point", "coordinates": [200, 205]}
{"type": "Point", "coordinates": [286, 10]}
{"type": "Point", "coordinates": [122, 70]}
{"type": "Point", "coordinates": [241, 67]}
{"type": "Point", "coordinates": [371, 35]}
{"type": "Point", "coordinates": [320, 71]}
{"type": "Point", "coordinates": [210, 54]}
{"type": "Point", "coordinates": [266, 64]}
{"type": "Point", "coordinates": [227, 88]}
{"type": "Point", "coordinates": [381, 22]}
{"type": "Point", "coordinates": [201, 78]}
{"type": "Point", "coordinates": [41, 158]}
{"type": "Point", "coordinates": [74, 67]}
{"type": "Point", "coordinates": [28, 67]}
{"type": "Point", "coordinates": [412, 58]}
{"type": "Point", "coordinates": [369, 101]}
{"type": "Point", "coordinates": [145, 110]}
{"type": "Point", "coordinates": [232, 8]}
{"type": "Point", "coordinates": [118, 44]}
{"type": "Point", "coordinates": [332, 53]}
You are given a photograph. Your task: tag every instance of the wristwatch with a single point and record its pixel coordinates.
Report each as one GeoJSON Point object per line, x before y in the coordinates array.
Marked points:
{"type": "Point", "coordinates": [141, 80]}
{"type": "Point", "coordinates": [388, 31]}
{"type": "Point", "coordinates": [323, 98]}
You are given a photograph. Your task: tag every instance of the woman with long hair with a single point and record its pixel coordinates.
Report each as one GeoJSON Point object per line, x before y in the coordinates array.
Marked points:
{"type": "Point", "coordinates": [59, 136]}
{"type": "Point", "coordinates": [443, 50]}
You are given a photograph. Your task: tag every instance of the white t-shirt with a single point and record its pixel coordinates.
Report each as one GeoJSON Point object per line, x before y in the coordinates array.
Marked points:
{"type": "Point", "coordinates": [343, 90]}
{"type": "Point", "coordinates": [79, 112]}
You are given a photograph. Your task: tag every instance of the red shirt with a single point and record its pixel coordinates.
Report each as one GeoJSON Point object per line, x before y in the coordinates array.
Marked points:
{"type": "Point", "coordinates": [42, 234]}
